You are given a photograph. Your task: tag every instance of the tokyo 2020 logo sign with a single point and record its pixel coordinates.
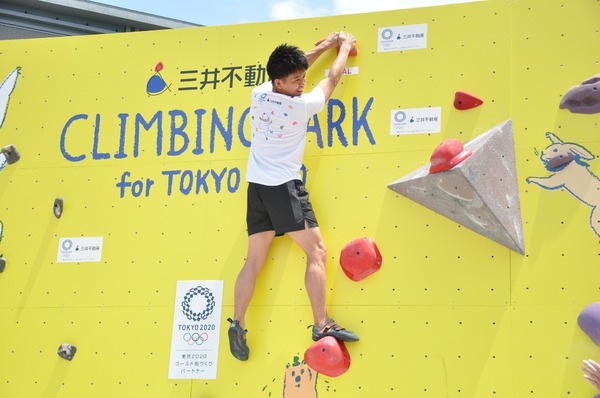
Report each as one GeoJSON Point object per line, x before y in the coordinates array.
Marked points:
{"type": "Point", "coordinates": [203, 299]}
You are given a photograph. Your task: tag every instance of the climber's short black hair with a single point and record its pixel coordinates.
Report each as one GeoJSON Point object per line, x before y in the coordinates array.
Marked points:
{"type": "Point", "coordinates": [285, 60]}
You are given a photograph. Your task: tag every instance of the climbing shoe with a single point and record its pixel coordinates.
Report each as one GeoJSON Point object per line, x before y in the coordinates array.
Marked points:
{"type": "Point", "coordinates": [237, 340]}
{"type": "Point", "coordinates": [334, 330]}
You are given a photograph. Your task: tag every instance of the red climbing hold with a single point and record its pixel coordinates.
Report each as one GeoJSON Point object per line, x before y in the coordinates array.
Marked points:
{"type": "Point", "coordinates": [360, 258]}
{"type": "Point", "coordinates": [328, 356]}
{"type": "Point", "coordinates": [447, 155]}
{"type": "Point", "coordinates": [464, 101]}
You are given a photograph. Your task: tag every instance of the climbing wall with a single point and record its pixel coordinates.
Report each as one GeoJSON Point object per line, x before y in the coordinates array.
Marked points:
{"type": "Point", "coordinates": [144, 137]}
{"type": "Point", "coordinates": [558, 276]}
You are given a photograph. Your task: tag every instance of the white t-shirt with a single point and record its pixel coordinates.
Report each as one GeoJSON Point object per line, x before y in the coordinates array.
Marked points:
{"type": "Point", "coordinates": [279, 124]}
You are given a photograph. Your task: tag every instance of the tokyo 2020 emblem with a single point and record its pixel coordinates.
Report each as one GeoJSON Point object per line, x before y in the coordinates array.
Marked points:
{"type": "Point", "coordinates": [209, 304]}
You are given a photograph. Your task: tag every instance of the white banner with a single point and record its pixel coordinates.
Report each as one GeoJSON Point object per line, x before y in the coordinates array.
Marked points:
{"type": "Point", "coordinates": [416, 121]}
{"type": "Point", "coordinates": [196, 330]}
{"type": "Point", "coordinates": [80, 250]}
{"type": "Point", "coordinates": [351, 70]}
{"type": "Point", "coordinates": [405, 37]}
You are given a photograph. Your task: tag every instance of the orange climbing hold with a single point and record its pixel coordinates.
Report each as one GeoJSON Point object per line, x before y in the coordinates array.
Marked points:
{"type": "Point", "coordinates": [447, 155]}
{"type": "Point", "coordinates": [464, 101]}
{"type": "Point", "coordinates": [360, 258]}
{"type": "Point", "coordinates": [328, 356]}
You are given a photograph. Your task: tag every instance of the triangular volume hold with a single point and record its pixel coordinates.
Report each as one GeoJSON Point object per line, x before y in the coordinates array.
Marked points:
{"type": "Point", "coordinates": [481, 193]}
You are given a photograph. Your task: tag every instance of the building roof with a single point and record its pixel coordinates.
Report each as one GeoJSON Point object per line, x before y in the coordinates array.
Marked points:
{"type": "Point", "coordinates": [42, 18]}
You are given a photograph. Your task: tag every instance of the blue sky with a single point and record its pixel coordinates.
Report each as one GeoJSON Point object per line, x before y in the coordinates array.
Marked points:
{"type": "Point", "coordinates": [225, 12]}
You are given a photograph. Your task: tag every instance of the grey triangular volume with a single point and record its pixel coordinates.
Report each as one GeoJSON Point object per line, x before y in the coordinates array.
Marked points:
{"type": "Point", "coordinates": [480, 193]}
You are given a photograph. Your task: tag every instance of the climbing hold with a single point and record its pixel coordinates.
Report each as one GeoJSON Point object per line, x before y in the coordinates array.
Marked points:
{"type": "Point", "coordinates": [589, 321]}
{"type": "Point", "coordinates": [583, 98]}
{"type": "Point", "coordinates": [67, 351]}
{"type": "Point", "coordinates": [360, 258]}
{"type": "Point", "coordinates": [352, 53]}
{"type": "Point", "coordinates": [560, 159]}
{"type": "Point", "coordinates": [464, 101]}
{"type": "Point", "coordinates": [481, 194]}
{"type": "Point", "coordinates": [58, 207]}
{"type": "Point", "coordinates": [328, 356]}
{"type": "Point", "coordinates": [10, 153]}
{"type": "Point", "coordinates": [447, 155]}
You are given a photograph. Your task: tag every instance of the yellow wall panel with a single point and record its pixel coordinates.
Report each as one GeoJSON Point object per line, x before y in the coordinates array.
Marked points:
{"type": "Point", "coordinates": [160, 176]}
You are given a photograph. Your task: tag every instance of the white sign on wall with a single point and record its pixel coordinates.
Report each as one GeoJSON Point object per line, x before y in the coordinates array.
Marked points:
{"type": "Point", "coordinates": [351, 70]}
{"type": "Point", "coordinates": [196, 330]}
{"type": "Point", "coordinates": [416, 121]}
{"type": "Point", "coordinates": [399, 38]}
{"type": "Point", "coordinates": [80, 250]}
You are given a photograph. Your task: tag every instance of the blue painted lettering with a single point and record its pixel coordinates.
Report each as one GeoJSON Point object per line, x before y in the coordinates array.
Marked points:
{"type": "Point", "coordinates": [140, 121]}
{"type": "Point", "coordinates": [225, 133]}
{"type": "Point", "coordinates": [335, 124]}
{"type": "Point", "coordinates": [206, 181]}
{"type": "Point", "coordinates": [361, 121]}
{"type": "Point", "coordinates": [180, 131]}
{"type": "Point", "coordinates": [95, 154]}
{"type": "Point", "coordinates": [137, 187]}
{"type": "Point", "coordinates": [63, 139]}
{"type": "Point", "coordinates": [121, 153]}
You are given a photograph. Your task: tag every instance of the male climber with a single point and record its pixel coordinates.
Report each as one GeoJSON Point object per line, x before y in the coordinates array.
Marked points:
{"type": "Point", "coordinates": [278, 202]}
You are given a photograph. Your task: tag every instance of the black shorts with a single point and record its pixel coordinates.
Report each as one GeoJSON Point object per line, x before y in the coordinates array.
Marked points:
{"type": "Point", "coordinates": [281, 208]}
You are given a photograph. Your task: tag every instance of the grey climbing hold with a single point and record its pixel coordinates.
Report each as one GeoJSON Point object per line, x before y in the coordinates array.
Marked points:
{"type": "Point", "coordinates": [11, 154]}
{"type": "Point", "coordinates": [560, 159]}
{"type": "Point", "coordinates": [583, 98]}
{"type": "Point", "coordinates": [58, 207]}
{"type": "Point", "coordinates": [67, 351]}
{"type": "Point", "coordinates": [480, 193]}
{"type": "Point", "coordinates": [2, 263]}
